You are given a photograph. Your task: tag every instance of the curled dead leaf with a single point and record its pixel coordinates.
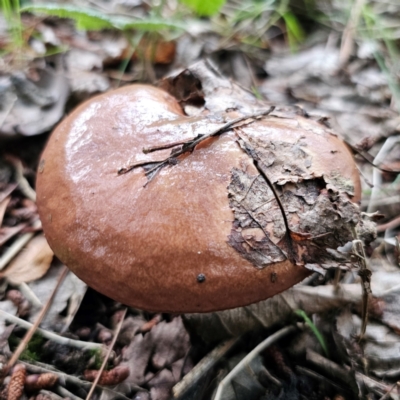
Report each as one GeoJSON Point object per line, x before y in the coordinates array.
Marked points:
{"type": "Point", "coordinates": [31, 264]}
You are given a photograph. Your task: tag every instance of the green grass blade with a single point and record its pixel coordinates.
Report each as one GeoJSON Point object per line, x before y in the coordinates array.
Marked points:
{"type": "Point", "coordinates": [91, 19]}
{"type": "Point", "coordinates": [148, 24]}
{"type": "Point", "coordinates": [294, 30]}
{"type": "Point", "coordinates": [204, 8]}
{"type": "Point", "coordinates": [315, 330]}
{"type": "Point", "coordinates": [85, 18]}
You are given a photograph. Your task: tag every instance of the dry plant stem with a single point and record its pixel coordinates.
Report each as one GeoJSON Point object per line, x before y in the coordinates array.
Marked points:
{"type": "Point", "coordinates": [29, 294]}
{"type": "Point", "coordinates": [333, 370]}
{"type": "Point", "coordinates": [387, 394]}
{"type": "Point", "coordinates": [246, 360]}
{"type": "Point", "coordinates": [23, 183]}
{"type": "Point", "coordinates": [370, 160]}
{"type": "Point", "coordinates": [208, 362]}
{"type": "Point", "coordinates": [365, 275]}
{"type": "Point", "coordinates": [376, 387]}
{"type": "Point", "coordinates": [17, 246]}
{"type": "Point", "coordinates": [347, 45]}
{"type": "Point", "coordinates": [39, 319]}
{"type": "Point", "coordinates": [79, 344]}
{"type": "Point", "coordinates": [389, 225]}
{"type": "Point", "coordinates": [106, 358]}
{"type": "Point", "coordinates": [321, 378]}
{"type": "Point", "coordinates": [376, 175]}
{"type": "Point", "coordinates": [189, 145]}
{"type": "Point", "coordinates": [271, 378]}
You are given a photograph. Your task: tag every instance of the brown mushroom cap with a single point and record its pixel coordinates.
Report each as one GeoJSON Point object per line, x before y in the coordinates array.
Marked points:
{"type": "Point", "coordinates": [161, 246]}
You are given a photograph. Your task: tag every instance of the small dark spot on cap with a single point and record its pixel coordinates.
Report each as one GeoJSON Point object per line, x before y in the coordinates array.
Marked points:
{"type": "Point", "coordinates": [201, 278]}
{"type": "Point", "coordinates": [274, 277]}
{"type": "Point", "coordinates": [41, 166]}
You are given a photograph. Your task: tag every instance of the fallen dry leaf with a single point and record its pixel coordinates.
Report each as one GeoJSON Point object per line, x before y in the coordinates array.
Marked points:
{"type": "Point", "coordinates": [171, 342]}
{"type": "Point", "coordinates": [71, 287]}
{"type": "Point", "coordinates": [161, 385]}
{"type": "Point", "coordinates": [31, 264]}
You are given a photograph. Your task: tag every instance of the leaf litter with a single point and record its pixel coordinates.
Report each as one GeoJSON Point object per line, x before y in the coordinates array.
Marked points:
{"type": "Point", "coordinates": [358, 106]}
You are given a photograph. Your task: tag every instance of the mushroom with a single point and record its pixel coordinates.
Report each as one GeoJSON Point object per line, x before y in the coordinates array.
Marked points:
{"type": "Point", "coordinates": [204, 230]}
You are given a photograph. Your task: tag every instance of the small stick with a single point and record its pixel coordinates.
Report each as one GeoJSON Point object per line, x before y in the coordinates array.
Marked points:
{"type": "Point", "coordinates": [365, 274]}
{"type": "Point", "coordinates": [320, 378]}
{"type": "Point", "coordinates": [389, 225]}
{"type": "Point", "coordinates": [376, 174]}
{"type": "Point", "coordinates": [330, 368]}
{"type": "Point", "coordinates": [29, 294]}
{"type": "Point", "coordinates": [202, 367]}
{"type": "Point", "coordinates": [189, 145]}
{"type": "Point", "coordinates": [23, 183]}
{"type": "Point", "coordinates": [32, 330]}
{"type": "Point", "coordinates": [387, 394]}
{"type": "Point", "coordinates": [147, 150]}
{"type": "Point", "coordinates": [374, 161]}
{"type": "Point", "coordinates": [79, 344]}
{"type": "Point", "coordinates": [246, 360]}
{"type": "Point", "coordinates": [117, 330]}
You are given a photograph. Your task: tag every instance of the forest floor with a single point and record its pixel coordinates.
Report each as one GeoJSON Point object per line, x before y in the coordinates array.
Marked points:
{"type": "Point", "coordinates": [337, 63]}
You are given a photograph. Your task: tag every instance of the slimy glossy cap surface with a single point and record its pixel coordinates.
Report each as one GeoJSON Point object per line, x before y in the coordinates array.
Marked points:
{"type": "Point", "coordinates": [197, 236]}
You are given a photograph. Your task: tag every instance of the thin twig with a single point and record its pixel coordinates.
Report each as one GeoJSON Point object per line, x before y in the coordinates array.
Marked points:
{"type": "Point", "coordinates": [246, 360]}
{"type": "Point", "coordinates": [375, 161]}
{"type": "Point", "coordinates": [377, 176]}
{"type": "Point", "coordinates": [116, 333]}
{"type": "Point", "coordinates": [29, 294]}
{"type": "Point", "coordinates": [365, 274]}
{"type": "Point", "coordinates": [23, 183]}
{"type": "Point", "coordinates": [32, 330]}
{"type": "Point", "coordinates": [208, 362]}
{"type": "Point", "coordinates": [189, 145]}
{"type": "Point", "coordinates": [375, 386]}
{"type": "Point", "coordinates": [347, 45]}
{"type": "Point", "coordinates": [389, 225]}
{"type": "Point", "coordinates": [387, 394]}
{"type": "Point", "coordinates": [79, 344]}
